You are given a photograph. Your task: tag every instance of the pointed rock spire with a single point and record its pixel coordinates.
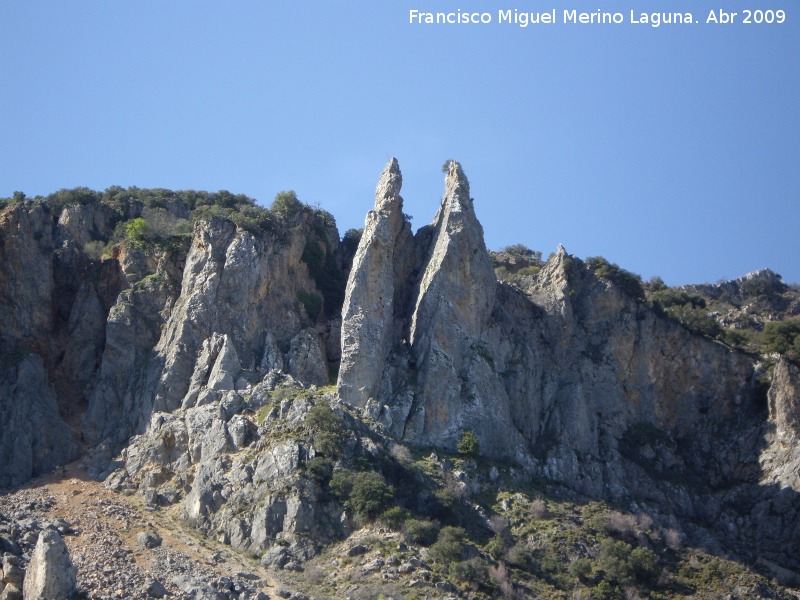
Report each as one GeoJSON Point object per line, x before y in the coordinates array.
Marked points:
{"type": "Point", "coordinates": [458, 277]}
{"type": "Point", "coordinates": [389, 184]}
{"type": "Point", "coordinates": [369, 311]}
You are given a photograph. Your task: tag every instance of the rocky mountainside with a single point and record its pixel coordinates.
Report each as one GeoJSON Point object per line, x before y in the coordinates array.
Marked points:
{"type": "Point", "coordinates": [561, 430]}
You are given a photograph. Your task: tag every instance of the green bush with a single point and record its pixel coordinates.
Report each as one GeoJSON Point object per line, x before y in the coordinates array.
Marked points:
{"type": "Point", "coordinates": [667, 298]}
{"type": "Point", "coordinates": [606, 591]}
{"type": "Point", "coordinates": [696, 320]}
{"type": "Point", "coordinates": [523, 252]}
{"type": "Point", "coordinates": [629, 282]}
{"type": "Point", "coordinates": [341, 484]}
{"type": "Point", "coordinates": [137, 231]}
{"type": "Point", "coordinates": [319, 469]}
{"type": "Point", "coordinates": [370, 494]}
{"type": "Point", "coordinates": [443, 504]}
{"type": "Point", "coordinates": [581, 569]}
{"type": "Point", "coordinates": [311, 302]}
{"type": "Point", "coordinates": [613, 560]}
{"type": "Point", "coordinates": [350, 241]}
{"type": "Point", "coordinates": [328, 430]}
{"type": "Point", "coordinates": [623, 564]}
{"type": "Point", "coordinates": [498, 546]}
{"type": "Point", "coordinates": [450, 546]}
{"type": "Point", "coordinates": [783, 337]}
{"type": "Point", "coordinates": [326, 274]}
{"type": "Point", "coordinates": [468, 444]}
{"type": "Point", "coordinates": [420, 531]}
{"type": "Point", "coordinates": [644, 565]}
{"type": "Point", "coordinates": [467, 571]}
{"type": "Point", "coordinates": [286, 204]}
{"type": "Point", "coordinates": [395, 517]}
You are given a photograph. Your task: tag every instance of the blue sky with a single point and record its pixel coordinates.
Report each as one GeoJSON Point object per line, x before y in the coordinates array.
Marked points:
{"type": "Point", "coordinates": [673, 151]}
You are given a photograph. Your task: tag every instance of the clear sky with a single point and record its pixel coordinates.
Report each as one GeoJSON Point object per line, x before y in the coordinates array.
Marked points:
{"type": "Point", "coordinates": [673, 151]}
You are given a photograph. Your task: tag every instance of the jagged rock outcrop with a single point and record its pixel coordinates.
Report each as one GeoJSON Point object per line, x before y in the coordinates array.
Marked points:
{"type": "Point", "coordinates": [425, 315]}
{"type": "Point", "coordinates": [199, 360]}
{"type": "Point", "coordinates": [374, 291]}
{"type": "Point", "coordinates": [33, 436]}
{"type": "Point", "coordinates": [543, 377]}
{"type": "Point", "coordinates": [781, 458]}
{"type": "Point", "coordinates": [571, 377]}
{"type": "Point", "coordinates": [233, 315]}
{"type": "Point", "coordinates": [53, 303]}
{"type": "Point", "coordinates": [239, 481]}
{"type": "Point", "coordinates": [50, 574]}
{"type": "Point", "coordinates": [784, 399]}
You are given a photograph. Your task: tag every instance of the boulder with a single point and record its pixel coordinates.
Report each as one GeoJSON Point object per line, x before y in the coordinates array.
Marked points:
{"type": "Point", "coordinates": [50, 574]}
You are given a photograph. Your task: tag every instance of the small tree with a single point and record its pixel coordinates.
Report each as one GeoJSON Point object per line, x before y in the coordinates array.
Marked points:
{"type": "Point", "coordinates": [286, 203]}
{"type": "Point", "coordinates": [450, 546]}
{"type": "Point", "coordinates": [370, 495]}
{"type": "Point", "coordinates": [137, 231]}
{"type": "Point", "coordinates": [328, 429]}
{"type": "Point", "coordinates": [468, 444]}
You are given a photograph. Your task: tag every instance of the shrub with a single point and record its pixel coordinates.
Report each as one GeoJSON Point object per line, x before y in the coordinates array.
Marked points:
{"type": "Point", "coordinates": [783, 337]}
{"type": "Point", "coordinates": [320, 469]}
{"type": "Point", "coordinates": [522, 251]}
{"type": "Point", "coordinates": [286, 204]}
{"type": "Point", "coordinates": [420, 531]}
{"type": "Point", "coordinates": [614, 561]}
{"type": "Point", "coordinates": [696, 319]}
{"type": "Point", "coordinates": [623, 564]}
{"type": "Point", "coordinates": [520, 556]}
{"type": "Point", "coordinates": [655, 284]}
{"type": "Point", "coordinates": [581, 569]}
{"type": "Point", "coordinates": [341, 484]}
{"type": "Point", "coordinates": [137, 231]}
{"type": "Point", "coordinates": [666, 298]}
{"type": "Point", "coordinates": [629, 282]}
{"type": "Point", "coordinates": [497, 546]}
{"type": "Point", "coordinates": [644, 565]}
{"type": "Point", "coordinates": [350, 241]}
{"type": "Point", "coordinates": [326, 274]}
{"type": "Point", "coordinates": [467, 571]}
{"type": "Point", "coordinates": [450, 546]}
{"type": "Point", "coordinates": [252, 218]}
{"type": "Point", "coordinates": [539, 509]}
{"type": "Point", "coordinates": [327, 428]}
{"type": "Point", "coordinates": [606, 591]}
{"type": "Point", "coordinates": [501, 577]}
{"type": "Point", "coordinates": [370, 494]}
{"type": "Point", "coordinates": [468, 444]}
{"type": "Point", "coordinates": [94, 249]}
{"type": "Point", "coordinates": [443, 503]}
{"type": "Point", "coordinates": [395, 517]}
{"type": "Point", "coordinates": [311, 302]}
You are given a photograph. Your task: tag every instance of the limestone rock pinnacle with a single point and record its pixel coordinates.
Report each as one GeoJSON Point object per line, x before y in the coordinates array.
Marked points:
{"type": "Point", "coordinates": [369, 303]}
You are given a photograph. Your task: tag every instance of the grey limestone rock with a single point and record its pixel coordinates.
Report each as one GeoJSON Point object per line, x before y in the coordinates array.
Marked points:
{"type": "Point", "coordinates": [33, 437]}
{"type": "Point", "coordinates": [370, 304]}
{"type": "Point", "coordinates": [784, 399]}
{"type": "Point", "coordinates": [50, 574]}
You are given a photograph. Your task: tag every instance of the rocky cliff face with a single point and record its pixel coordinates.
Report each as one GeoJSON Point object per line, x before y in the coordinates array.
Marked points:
{"type": "Point", "coordinates": [53, 306]}
{"type": "Point", "coordinates": [231, 316]}
{"type": "Point", "coordinates": [200, 362]}
{"type": "Point", "coordinates": [570, 377]}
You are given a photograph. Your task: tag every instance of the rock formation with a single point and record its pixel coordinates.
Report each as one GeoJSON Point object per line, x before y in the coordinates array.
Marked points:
{"type": "Point", "coordinates": [50, 573]}
{"type": "Point", "coordinates": [373, 292]}
{"type": "Point", "coordinates": [188, 371]}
